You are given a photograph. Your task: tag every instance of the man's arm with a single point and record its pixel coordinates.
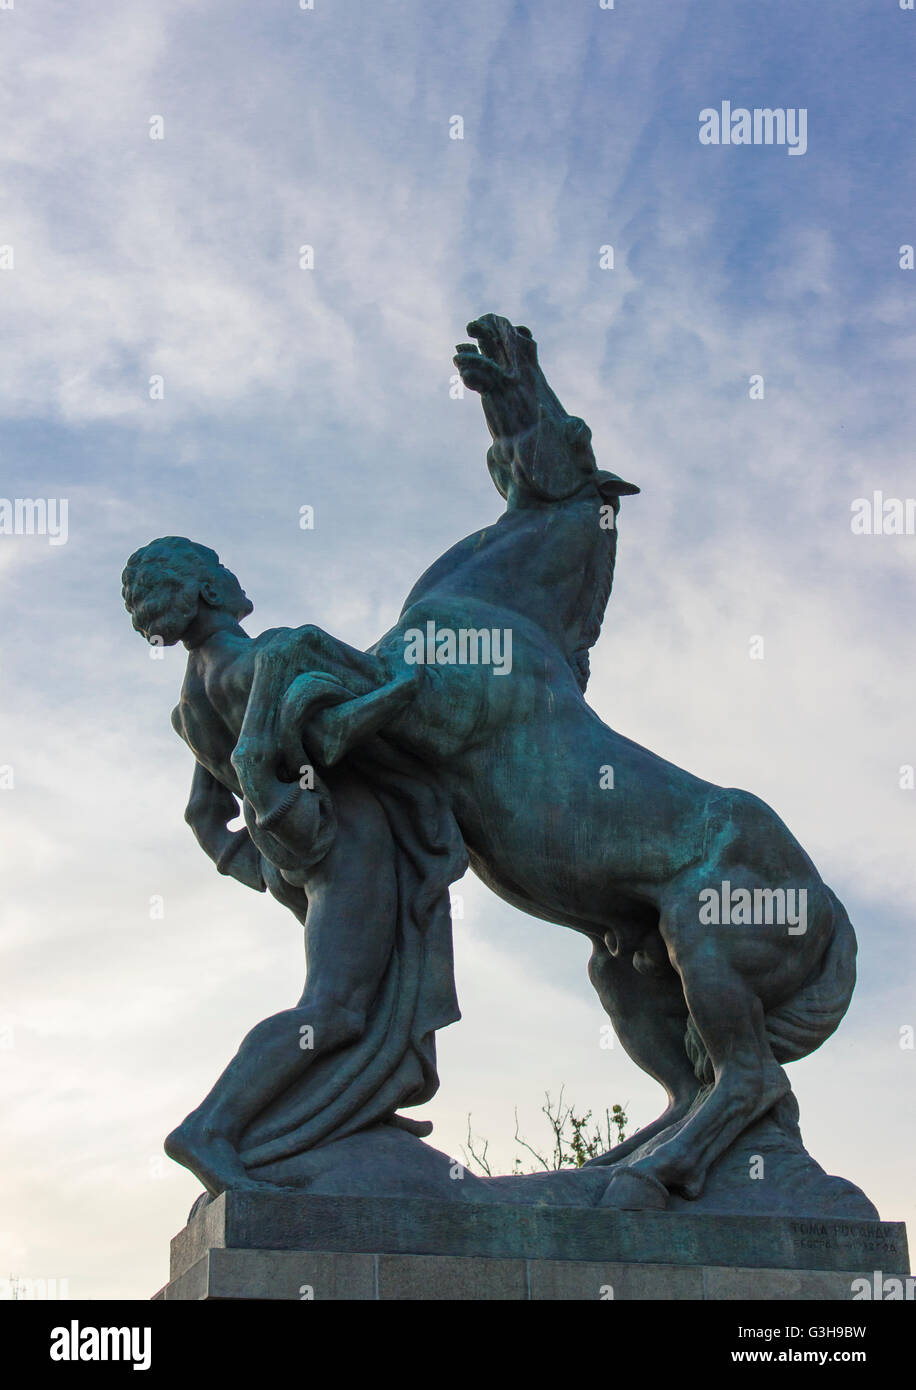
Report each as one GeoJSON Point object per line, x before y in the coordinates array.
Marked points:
{"type": "Point", "coordinates": [210, 808]}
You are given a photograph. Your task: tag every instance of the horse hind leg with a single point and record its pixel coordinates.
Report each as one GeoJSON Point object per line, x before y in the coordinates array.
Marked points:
{"type": "Point", "coordinates": [735, 970]}
{"type": "Point", "coordinates": [649, 1014]}
{"type": "Point", "coordinates": [730, 1021]}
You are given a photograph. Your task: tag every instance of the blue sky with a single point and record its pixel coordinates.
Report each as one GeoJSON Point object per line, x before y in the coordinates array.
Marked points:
{"type": "Point", "coordinates": [330, 387]}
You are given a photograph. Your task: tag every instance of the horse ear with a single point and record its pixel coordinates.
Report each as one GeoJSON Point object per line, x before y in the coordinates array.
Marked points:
{"type": "Point", "coordinates": [560, 459]}
{"type": "Point", "coordinates": [578, 433]}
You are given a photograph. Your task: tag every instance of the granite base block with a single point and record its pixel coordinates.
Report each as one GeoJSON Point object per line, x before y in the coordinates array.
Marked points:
{"type": "Point", "coordinates": [287, 1246]}
{"type": "Point", "coordinates": [290, 1275]}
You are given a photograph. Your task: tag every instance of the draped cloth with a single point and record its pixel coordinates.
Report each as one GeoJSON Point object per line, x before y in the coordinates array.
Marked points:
{"type": "Point", "coordinates": [393, 1063]}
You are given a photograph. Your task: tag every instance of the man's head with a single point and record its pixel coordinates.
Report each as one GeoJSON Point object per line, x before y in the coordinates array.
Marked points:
{"type": "Point", "coordinates": [165, 584]}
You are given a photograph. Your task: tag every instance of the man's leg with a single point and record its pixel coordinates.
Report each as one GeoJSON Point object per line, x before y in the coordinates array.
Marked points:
{"type": "Point", "coordinates": [349, 933]}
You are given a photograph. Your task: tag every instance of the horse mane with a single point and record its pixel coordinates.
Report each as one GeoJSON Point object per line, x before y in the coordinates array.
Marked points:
{"type": "Point", "coordinates": [597, 591]}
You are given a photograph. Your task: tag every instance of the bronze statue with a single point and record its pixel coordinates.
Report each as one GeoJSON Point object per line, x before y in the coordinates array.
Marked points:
{"type": "Point", "coordinates": [369, 780]}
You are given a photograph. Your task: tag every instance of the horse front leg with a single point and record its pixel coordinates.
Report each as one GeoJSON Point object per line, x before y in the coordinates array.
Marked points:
{"type": "Point", "coordinates": [340, 727]}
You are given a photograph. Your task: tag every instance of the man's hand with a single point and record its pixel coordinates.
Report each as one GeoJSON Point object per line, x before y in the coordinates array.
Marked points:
{"type": "Point", "coordinates": [241, 859]}
{"type": "Point", "coordinates": [210, 807]}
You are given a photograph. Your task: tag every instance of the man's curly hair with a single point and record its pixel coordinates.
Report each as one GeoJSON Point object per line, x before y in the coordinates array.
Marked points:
{"type": "Point", "coordinates": [161, 583]}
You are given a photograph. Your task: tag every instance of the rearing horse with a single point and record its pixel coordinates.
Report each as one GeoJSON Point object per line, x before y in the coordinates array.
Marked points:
{"type": "Point", "coordinates": [576, 824]}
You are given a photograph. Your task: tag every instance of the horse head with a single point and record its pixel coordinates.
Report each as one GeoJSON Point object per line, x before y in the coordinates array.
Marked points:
{"type": "Point", "coordinates": [539, 451]}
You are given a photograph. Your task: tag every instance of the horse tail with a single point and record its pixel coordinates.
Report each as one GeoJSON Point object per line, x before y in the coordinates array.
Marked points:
{"type": "Point", "coordinates": [796, 1028]}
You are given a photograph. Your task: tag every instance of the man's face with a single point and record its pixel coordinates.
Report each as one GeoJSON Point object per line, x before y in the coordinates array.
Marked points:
{"type": "Point", "coordinates": [164, 608]}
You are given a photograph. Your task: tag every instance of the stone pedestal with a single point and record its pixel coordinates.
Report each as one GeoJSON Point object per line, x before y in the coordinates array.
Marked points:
{"type": "Point", "coordinates": [287, 1246]}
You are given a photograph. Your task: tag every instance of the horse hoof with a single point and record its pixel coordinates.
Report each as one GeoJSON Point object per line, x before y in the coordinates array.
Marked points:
{"type": "Point", "coordinates": [631, 1190]}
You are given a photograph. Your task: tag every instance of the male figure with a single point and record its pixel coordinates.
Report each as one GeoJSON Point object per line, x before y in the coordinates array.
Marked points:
{"type": "Point", "coordinates": [325, 849]}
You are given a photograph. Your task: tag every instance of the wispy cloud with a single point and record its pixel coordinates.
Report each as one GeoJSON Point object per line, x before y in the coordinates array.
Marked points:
{"type": "Point", "coordinates": [283, 386]}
